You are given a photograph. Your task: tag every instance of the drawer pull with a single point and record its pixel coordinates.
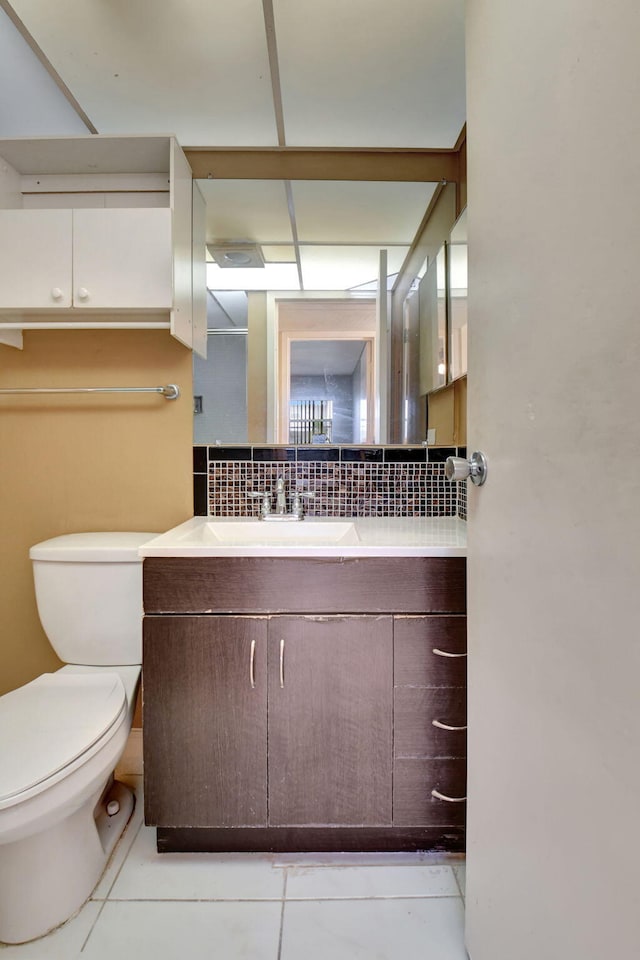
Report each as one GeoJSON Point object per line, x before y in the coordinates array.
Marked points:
{"type": "Point", "coordinates": [252, 665]}
{"type": "Point", "coordinates": [441, 796]}
{"type": "Point", "coordinates": [281, 663]}
{"type": "Point", "coordinates": [446, 726]}
{"type": "Point", "coordinates": [443, 653]}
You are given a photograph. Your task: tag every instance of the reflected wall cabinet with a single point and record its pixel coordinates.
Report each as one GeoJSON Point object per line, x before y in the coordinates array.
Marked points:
{"type": "Point", "coordinates": [98, 230]}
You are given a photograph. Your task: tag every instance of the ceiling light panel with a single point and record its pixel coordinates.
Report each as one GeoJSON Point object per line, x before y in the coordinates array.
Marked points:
{"type": "Point", "coordinates": [273, 276]}
{"type": "Point", "coordinates": [341, 268]}
{"type": "Point", "coordinates": [371, 74]}
{"type": "Point", "coordinates": [197, 70]}
{"type": "Point", "coordinates": [348, 211]}
{"type": "Point", "coordinates": [249, 210]}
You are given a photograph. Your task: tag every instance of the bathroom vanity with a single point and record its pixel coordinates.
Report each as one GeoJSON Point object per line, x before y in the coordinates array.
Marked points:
{"type": "Point", "coordinates": [306, 696]}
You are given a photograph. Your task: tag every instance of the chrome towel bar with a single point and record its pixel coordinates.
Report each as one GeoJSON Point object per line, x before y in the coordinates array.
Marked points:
{"type": "Point", "coordinates": [170, 392]}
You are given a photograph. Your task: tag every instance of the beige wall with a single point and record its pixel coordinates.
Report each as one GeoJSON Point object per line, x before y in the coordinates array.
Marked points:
{"type": "Point", "coordinates": [102, 462]}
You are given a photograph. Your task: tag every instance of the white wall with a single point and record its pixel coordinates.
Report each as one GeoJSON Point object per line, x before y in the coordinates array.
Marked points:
{"type": "Point", "coordinates": [554, 402]}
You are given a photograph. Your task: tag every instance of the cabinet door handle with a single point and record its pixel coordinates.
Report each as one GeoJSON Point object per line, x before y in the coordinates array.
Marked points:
{"type": "Point", "coordinates": [252, 665]}
{"type": "Point", "coordinates": [441, 796]}
{"type": "Point", "coordinates": [281, 663]}
{"type": "Point", "coordinates": [443, 653]}
{"type": "Point", "coordinates": [446, 726]}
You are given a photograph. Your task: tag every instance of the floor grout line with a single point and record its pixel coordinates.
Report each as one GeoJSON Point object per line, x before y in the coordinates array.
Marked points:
{"type": "Point", "coordinates": [386, 896]}
{"type": "Point", "coordinates": [93, 925]}
{"type": "Point", "coordinates": [284, 900]}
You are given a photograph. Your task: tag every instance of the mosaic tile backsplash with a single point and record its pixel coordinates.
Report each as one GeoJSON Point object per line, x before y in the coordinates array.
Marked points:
{"type": "Point", "coordinates": [347, 482]}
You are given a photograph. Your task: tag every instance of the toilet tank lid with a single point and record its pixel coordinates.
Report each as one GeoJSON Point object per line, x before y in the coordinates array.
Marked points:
{"type": "Point", "coordinates": [107, 547]}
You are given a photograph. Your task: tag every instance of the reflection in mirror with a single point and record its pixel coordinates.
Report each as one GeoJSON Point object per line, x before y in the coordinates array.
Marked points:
{"type": "Point", "coordinates": [220, 381]}
{"type": "Point", "coordinates": [328, 391]}
{"type": "Point", "coordinates": [433, 324]}
{"type": "Point", "coordinates": [326, 355]}
{"type": "Point", "coordinates": [457, 268]}
{"type": "Point", "coordinates": [316, 238]}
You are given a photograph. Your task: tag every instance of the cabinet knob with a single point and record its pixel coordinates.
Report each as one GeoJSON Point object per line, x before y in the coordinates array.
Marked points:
{"type": "Point", "coordinates": [56, 293]}
{"type": "Point", "coordinates": [475, 467]}
{"type": "Point", "coordinates": [83, 293]}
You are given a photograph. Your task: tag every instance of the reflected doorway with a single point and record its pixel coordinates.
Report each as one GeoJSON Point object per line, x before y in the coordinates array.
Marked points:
{"type": "Point", "coordinates": [326, 372]}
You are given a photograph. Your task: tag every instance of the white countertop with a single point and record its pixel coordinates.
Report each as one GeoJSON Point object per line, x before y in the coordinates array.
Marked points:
{"type": "Point", "coordinates": [367, 537]}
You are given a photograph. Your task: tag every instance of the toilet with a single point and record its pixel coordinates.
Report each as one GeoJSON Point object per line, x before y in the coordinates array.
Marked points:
{"type": "Point", "coordinates": [61, 736]}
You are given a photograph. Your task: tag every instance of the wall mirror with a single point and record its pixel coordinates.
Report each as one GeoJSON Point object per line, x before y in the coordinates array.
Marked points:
{"type": "Point", "coordinates": [272, 243]}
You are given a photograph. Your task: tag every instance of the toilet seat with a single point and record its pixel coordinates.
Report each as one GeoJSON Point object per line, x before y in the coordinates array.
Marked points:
{"type": "Point", "coordinates": [52, 722]}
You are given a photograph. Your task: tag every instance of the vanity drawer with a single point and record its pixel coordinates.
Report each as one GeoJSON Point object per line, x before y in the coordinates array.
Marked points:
{"type": "Point", "coordinates": [430, 651]}
{"type": "Point", "coordinates": [421, 716]}
{"type": "Point", "coordinates": [413, 800]}
{"type": "Point", "coordinates": [307, 585]}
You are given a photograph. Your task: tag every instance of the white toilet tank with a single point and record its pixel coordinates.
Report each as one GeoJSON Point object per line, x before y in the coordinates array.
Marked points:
{"type": "Point", "coordinates": [89, 595]}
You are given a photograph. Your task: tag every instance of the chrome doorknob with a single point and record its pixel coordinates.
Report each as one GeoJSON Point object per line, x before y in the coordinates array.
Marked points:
{"type": "Point", "coordinates": [475, 468]}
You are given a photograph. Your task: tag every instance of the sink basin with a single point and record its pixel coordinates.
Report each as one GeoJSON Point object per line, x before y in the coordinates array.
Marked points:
{"type": "Point", "coordinates": [303, 532]}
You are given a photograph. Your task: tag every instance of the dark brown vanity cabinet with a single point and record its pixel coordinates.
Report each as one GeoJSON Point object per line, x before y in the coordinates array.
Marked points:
{"type": "Point", "coordinates": [303, 704]}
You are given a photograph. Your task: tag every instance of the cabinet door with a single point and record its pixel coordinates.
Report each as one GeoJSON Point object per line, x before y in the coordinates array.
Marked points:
{"type": "Point", "coordinates": [122, 259]}
{"type": "Point", "coordinates": [330, 720]}
{"type": "Point", "coordinates": [35, 259]}
{"type": "Point", "coordinates": [205, 721]}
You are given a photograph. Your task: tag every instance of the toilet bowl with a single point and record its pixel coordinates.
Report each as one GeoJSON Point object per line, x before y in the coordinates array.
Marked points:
{"type": "Point", "coordinates": [61, 736]}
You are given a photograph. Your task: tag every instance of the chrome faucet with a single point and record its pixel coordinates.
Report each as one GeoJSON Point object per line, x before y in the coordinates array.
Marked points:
{"type": "Point", "coordinates": [280, 512]}
{"type": "Point", "coordinates": [281, 497]}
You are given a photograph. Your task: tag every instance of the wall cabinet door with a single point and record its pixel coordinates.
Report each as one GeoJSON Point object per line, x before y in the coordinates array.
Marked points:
{"type": "Point", "coordinates": [205, 721]}
{"type": "Point", "coordinates": [89, 259]}
{"type": "Point", "coordinates": [122, 259]}
{"type": "Point", "coordinates": [330, 720]}
{"type": "Point", "coordinates": [35, 259]}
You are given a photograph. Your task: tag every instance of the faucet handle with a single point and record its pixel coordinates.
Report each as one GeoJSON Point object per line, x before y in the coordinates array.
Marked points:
{"type": "Point", "coordinates": [264, 495]}
{"type": "Point", "coordinates": [297, 501]}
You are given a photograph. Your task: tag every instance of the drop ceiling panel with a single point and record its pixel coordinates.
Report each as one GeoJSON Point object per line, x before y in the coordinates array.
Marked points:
{"type": "Point", "coordinates": [341, 268]}
{"type": "Point", "coordinates": [352, 212]}
{"type": "Point", "coordinates": [279, 254]}
{"type": "Point", "coordinates": [254, 210]}
{"type": "Point", "coordinates": [197, 70]}
{"type": "Point", "coordinates": [371, 74]}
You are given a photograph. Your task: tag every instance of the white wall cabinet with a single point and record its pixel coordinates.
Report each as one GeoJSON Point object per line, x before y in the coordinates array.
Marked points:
{"type": "Point", "coordinates": [97, 230]}
{"type": "Point", "coordinates": [105, 259]}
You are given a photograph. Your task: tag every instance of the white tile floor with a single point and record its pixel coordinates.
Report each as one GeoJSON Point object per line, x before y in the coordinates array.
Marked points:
{"type": "Point", "coordinates": [259, 906]}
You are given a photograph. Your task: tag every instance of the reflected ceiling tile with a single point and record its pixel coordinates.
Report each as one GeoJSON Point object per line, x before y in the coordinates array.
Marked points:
{"type": "Point", "coordinates": [254, 210]}
{"type": "Point", "coordinates": [341, 268]}
{"type": "Point", "coordinates": [198, 70]}
{"type": "Point", "coordinates": [371, 74]}
{"type": "Point", "coordinates": [359, 212]}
